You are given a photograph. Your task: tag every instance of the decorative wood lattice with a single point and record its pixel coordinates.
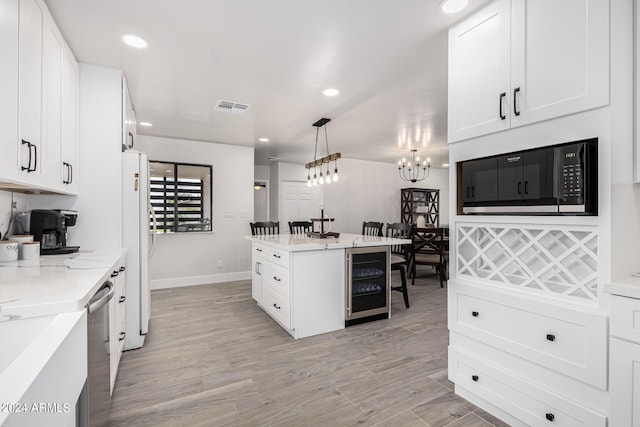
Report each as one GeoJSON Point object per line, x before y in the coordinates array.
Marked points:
{"type": "Point", "coordinates": [558, 261]}
{"type": "Point", "coordinates": [420, 201]}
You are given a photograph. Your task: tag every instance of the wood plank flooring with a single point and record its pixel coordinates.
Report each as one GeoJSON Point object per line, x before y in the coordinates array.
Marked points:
{"type": "Point", "coordinates": [213, 358]}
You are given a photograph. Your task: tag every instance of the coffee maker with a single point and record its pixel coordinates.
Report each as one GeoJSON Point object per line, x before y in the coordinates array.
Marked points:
{"type": "Point", "coordinates": [49, 227]}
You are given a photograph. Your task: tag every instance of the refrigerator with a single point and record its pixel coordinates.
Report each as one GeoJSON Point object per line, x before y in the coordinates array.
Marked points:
{"type": "Point", "coordinates": [138, 239]}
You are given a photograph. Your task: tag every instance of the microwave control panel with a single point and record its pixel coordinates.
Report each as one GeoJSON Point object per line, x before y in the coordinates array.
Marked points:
{"type": "Point", "coordinates": [572, 160]}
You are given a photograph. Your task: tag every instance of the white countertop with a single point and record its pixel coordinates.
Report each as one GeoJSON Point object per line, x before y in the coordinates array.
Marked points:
{"type": "Point", "coordinates": [626, 287]}
{"type": "Point", "coordinates": [300, 242]}
{"type": "Point", "coordinates": [60, 284]}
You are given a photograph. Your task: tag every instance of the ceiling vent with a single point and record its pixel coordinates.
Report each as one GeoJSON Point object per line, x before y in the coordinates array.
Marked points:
{"type": "Point", "coordinates": [231, 107]}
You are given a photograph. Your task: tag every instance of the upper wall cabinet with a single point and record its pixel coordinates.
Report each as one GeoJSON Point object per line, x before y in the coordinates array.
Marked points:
{"type": "Point", "coordinates": [38, 115]}
{"type": "Point", "coordinates": [128, 118]}
{"type": "Point", "coordinates": [519, 62]}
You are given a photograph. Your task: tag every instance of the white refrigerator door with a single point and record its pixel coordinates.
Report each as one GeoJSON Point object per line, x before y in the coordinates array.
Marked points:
{"type": "Point", "coordinates": [135, 228]}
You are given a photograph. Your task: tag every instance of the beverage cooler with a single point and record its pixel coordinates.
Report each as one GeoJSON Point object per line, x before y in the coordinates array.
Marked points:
{"type": "Point", "coordinates": [368, 283]}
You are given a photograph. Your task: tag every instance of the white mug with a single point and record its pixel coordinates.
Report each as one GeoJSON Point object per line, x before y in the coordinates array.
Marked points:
{"type": "Point", "coordinates": [21, 238]}
{"type": "Point", "coordinates": [30, 251]}
{"type": "Point", "coordinates": [8, 250]}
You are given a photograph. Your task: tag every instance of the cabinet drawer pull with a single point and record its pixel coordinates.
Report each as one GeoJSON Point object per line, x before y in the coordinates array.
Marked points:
{"type": "Point", "coordinates": [277, 279]}
{"type": "Point", "coordinates": [122, 298]}
{"type": "Point", "coordinates": [122, 335]}
{"type": "Point", "coordinates": [549, 416]}
{"type": "Point", "coordinates": [114, 273]}
{"type": "Point", "coordinates": [277, 256]}
{"type": "Point", "coordinates": [475, 313]}
{"type": "Point", "coordinates": [515, 102]}
{"type": "Point", "coordinates": [123, 268]}
{"type": "Point", "coordinates": [551, 337]}
{"type": "Point", "coordinates": [276, 306]}
{"type": "Point", "coordinates": [474, 378]}
{"type": "Point", "coordinates": [258, 250]}
{"type": "Point", "coordinates": [502, 96]}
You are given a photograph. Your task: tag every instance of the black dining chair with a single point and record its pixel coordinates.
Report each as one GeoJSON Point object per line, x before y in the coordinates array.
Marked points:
{"type": "Point", "coordinates": [371, 228]}
{"type": "Point", "coordinates": [400, 256]}
{"type": "Point", "coordinates": [300, 227]}
{"type": "Point", "coordinates": [264, 228]}
{"type": "Point", "coordinates": [427, 248]}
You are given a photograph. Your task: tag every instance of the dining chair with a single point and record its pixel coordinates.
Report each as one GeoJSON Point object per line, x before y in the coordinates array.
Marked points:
{"type": "Point", "coordinates": [427, 249]}
{"type": "Point", "coordinates": [371, 228]}
{"type": "Point", "coordinates": [264, 228]}
{"type": "Point", "coordinates": [300, 227]}
{"type": "Point", "coordinates": [400, 256]}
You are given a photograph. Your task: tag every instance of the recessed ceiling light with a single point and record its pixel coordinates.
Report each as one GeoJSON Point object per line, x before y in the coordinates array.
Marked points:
{"type": "Point", "coordinates": [134, 41]}
{"type": "Point", "coordinates": [453, 6]}
{"type": "Point", "coordinates": [145, 124]}
{"type": "Point", "coordinates": [263, 139]}
{"type": "Point", "coordinates": [445, 165]}
{"type": "Point", "coordinates": [330, 92]}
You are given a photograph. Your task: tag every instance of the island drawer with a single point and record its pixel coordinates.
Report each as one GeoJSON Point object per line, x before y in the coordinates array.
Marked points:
{"type": "Point", "coordinates": [279, 308]}
{"type": "Point", "coordinates": [279, 279]}
{"type": "Point", "coordinates": [569, 341]}
{"type": "Point", "coordinates": [521, 399]}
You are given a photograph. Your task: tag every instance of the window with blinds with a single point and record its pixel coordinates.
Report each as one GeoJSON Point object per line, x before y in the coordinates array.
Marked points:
{"type": "Point", "coordinates": [180, 197]}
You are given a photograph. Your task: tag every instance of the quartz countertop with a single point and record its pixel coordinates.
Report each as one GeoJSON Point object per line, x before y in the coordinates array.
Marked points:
{"type": "Point", "coordinates": [59, 284]}
{"type": "Point", "coordinates": [626, 287]}
{"type": "Point", "coordinates": [300, 242]}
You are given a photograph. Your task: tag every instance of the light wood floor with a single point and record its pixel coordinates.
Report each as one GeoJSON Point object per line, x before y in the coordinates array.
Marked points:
{"type": "Point", "coordinates": [213, 358]}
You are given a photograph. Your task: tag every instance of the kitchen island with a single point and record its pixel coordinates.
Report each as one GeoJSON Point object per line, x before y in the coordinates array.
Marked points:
{"type": "Point", "coordinates": [301, 282]}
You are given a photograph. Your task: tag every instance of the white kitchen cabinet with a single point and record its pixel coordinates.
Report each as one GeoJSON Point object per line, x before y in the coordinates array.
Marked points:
{"type": "Point", "coordinates": [523, 61]}
{"type": "Point", "coordinates": [128, 118]}
{"type": "Point", "coordinates": [625, 362]}
{"type": "Point", "coordinates": [30, 92]}
{"type": "Point", "coordinates": [117, 319]}
{"type": "Point", "coordinates": [9, 89]}
{"type": "Point", "coordinates": [537, 362]}
{"type": "Point", "coordinates": [69, 130]}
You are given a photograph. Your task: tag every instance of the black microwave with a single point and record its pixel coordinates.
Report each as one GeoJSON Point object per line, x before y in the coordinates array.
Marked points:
{"type": "Point", "coordinates": [555, 180]}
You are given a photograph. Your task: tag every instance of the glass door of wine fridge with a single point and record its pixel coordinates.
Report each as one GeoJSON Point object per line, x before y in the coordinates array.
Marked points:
{"type": "Point", "coordinates": [368, 284]}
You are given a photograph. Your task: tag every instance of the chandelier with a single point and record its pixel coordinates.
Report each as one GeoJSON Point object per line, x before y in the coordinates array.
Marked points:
{"type": "Point", "coordinates": [325, 177]}
{"type": "Point", "coordinates": [414, 171]}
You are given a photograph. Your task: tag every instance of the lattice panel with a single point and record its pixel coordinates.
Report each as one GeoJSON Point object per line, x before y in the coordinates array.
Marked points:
{"type": "Point", "coordinates": [559, 261]}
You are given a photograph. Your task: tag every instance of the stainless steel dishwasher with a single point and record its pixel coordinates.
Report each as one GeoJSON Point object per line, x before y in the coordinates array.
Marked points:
{"type": "Point", "coordinates": [96, 400]}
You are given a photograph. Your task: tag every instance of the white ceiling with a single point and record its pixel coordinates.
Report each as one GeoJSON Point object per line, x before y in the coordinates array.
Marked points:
{"type": "Point", "coordinates": [388, 58]}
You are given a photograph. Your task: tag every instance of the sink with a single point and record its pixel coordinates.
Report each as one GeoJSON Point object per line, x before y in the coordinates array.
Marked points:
{"type": "Point", "coordinates": [43, 367]}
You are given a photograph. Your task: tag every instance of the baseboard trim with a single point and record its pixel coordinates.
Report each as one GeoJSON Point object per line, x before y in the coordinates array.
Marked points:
{"type": "Point", "coordinates": [178, 282]}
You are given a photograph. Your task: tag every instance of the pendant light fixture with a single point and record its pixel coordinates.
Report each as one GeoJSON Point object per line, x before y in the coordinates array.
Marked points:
{"type": "Point", "coordinates": [414, 171]}
{"type": "Point", "coordinates": [325, 177]}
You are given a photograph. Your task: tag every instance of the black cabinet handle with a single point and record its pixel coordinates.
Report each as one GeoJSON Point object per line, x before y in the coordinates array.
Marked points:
{"type": "Point", "coordinates": [131, 143]}
{"type": "Point", "coordinates": [519, 187]}
{"type": "Point", "coordinates": [475, 313]}
{"type": "Point", "coordinates": [502, 95]}
{"type": "Point", "coordinates": [35, 158]}
{"type": "Point", "coordinates": [66, 165]}
{"type": "Point", "coordinates": [515, 103]}
{"type": "Point", "coordinates": [526, 187]}
{"type": "Point", "coordinates": [122, 335]}
{"type": "Point", "coordinates": [277, 279]}
{"type": "Point", "coordinates": [122, 299]}
{"type": "Point", "coordinates": [277, 256]}
{"type": "Point", "coordinates": [468, 195]}
{"type": "Point", "coordinates": [549, 416]}
{"type": "Point", "coordinates": [123, 268]}
{"type": "Point", "coordinates": [114, 273]}
{"type": "Point", "coordinates": [551, 337]}
{"type": "Point", "coordinates": [474, 377]}
{"type": "Point", "coordinates": [473, 191]}
{"type": "Point", "coordinates": [258, 250]}
{"type": "Point", "coordinates": [28, 167]}
{"type": "Point", "coordinates": [276, 306]}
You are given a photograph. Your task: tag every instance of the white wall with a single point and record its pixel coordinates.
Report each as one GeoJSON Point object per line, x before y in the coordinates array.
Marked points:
{"type": "Point", "coordinates": [368, 191]}
{"type": "Point", "coordinates": [5, 210]}
{"type": "Point", "coordinates": [192, 258]}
